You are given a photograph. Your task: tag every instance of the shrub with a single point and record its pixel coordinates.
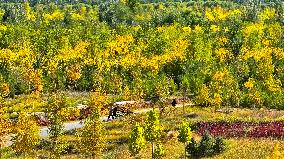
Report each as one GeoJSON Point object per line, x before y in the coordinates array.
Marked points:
{"type": "Point", "coordinates": [208, 146]}
{"type": "Point", "coordinates": [219, 145]}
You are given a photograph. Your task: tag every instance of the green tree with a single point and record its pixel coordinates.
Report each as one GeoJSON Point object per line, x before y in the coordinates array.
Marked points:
{"type": "Point", "coordinates": [152, 129]}
{"type": "Point", "coordinates": [185, 134]}
{"type": "Point", "coordinates": [137, 140]}
{"type": "Point", "coordinates": [56, 102]}
{"type": "Point", "coordinates": [185, 87]}
{"type": "Point", "coordinates": [92, 137]}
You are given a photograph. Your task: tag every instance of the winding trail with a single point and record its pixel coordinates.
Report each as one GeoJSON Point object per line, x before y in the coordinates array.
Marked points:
{"type": "Point", "coordinates": [79, 124]}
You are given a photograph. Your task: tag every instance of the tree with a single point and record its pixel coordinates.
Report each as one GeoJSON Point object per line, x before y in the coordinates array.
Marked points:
{"type": "Point", "coordinates": [185, 86]}
{"type": "Point", "coordinates": [159, 150]}
{"type": "Point", "coordinates": [92, 137]}
{"type": "Point", "coordinates": [152, 129]}
{"type": "Point", "coordinates": [185, 135]}
{"type": "Point", "coordinates": [27, 134]}
{"type": "Point", "coordinates": [5, 129]}
{"type": "Point", "coordinates": [137, 140]}
{"type": "Point", "coordinates": [56, 102]}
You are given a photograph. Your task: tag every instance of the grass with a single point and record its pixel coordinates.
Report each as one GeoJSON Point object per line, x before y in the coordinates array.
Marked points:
{"type": "Point", "coordinates": [118, 132]}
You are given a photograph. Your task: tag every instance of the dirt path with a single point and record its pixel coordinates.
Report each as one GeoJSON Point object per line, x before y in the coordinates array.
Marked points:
{"type": "Point", "coordinates": [79, 124]}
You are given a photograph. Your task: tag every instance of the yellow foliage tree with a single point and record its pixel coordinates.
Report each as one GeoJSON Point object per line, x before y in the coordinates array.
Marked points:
{"type": "Point", "coordinates": [27, 134]}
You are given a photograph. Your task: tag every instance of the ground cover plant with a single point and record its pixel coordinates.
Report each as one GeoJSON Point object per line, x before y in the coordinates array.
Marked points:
{"type": "Point", "coordinates": [243, 129]}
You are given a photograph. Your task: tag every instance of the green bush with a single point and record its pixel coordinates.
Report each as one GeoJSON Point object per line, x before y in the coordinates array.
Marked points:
{"type": "Point", "coordinates": [208, 146]}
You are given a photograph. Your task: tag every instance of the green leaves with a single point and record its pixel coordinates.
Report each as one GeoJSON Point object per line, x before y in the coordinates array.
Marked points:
{"type": "Point", "coordinates": [137, 140]}
{"type": "Point", "coordinates": [152, 127]}
{"type": "Point", "coordinates": [185, 133]}
{"type": "Point", "coordinates": [151, 132]}
{"type": "Point", "coordinates": [92, 138]}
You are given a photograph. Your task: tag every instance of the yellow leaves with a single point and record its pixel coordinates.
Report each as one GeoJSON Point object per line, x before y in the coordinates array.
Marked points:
{"type": "Point", "coordinates": [5, 129]}
{"type": "Point", "coordinates": [274, 31]}
{"type": "Point", "coordinates": [120, 45]}
{"type": "Point", "coordinates": [186, 29]}
{"type": "Point", "coordinates": [3, 27]}
{"type": "Point", "coordinates": [26, 56]}
{"type": "Point", "coordinates": [267, 13]}
{"type": "Point", "coordinates": [253, 28]}
{"type": "Point", "coordinates": [222, 54]}
{"type": "Point", "coordinates": [273, 85]}
{"type": "Point", "coordinates": [279, 53]}
{"type": "Point", "coordinates": [33, 76]}
{"type": "Point", "coordinates": [256, 97]}
{"type": "Point", "coordinates": [98, 100]}
{"type": "Point", "coordinates": [4, 89]}
{"type": "Point", "coordinates": [266, 42]}
{"type": "Point", "coordinates": [2, 13]}
{"type": "Point", "coordinates": [29, 13]}
{"type": "Point", "coordinates": [142, 17]}
{"type": "Point", "coordinates": [121, 52]}
{"type": "Point", "coordinates": [74, 72]}
{"type": "Point", "coordinates": [276, 154]}
{"type": "Point", "coordinates": [217, 100]}
{"type": "Point", "coordinates": [198, 29]}
{"type": "Point", "coordinates": [80, 16]}
{"type": "Point", "coordinates": [257, 54]}
{"type": "Point", "coordinates": [77, 17]}
{"type": "Point", "coordinates": [203, 95]}
{"type": "Point", "coordinates": [176, 52]}
{"type": "Point", "coordinates": [127, 93]}
{"type": "Point", "coordinates": [250, 83]}
{"type": "Point", "coordinates": [27, 134]}
{"type": "Point", "coordinates": [7, 56]}
{"type": "Point", "coordinates": [69, 113]}
{"type": "Point", "coordinates": [56, 15]}
{"type": "Point", "coordinates": [52, 66]}
{"type": "Point", "coordinates": [67, 54]}
{"type": "Point", "coordinates": [222, 40]}
{"type": "Point", "coordinates": [214, 28]}
{"type": "Point", "coordinates": [5, 126]}
{"type": "Point", "coordinates": [219, 75]}
{"type": "Point", "coordinates": [220, 14]}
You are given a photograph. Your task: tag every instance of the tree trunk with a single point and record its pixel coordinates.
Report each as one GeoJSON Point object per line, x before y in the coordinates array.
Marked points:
{"type": "Point", "coordinates": [184, 150]}
{"type": "Point", "coordinates": [153, 149]}
{"type": "Point", "coordinates": [183, 104]}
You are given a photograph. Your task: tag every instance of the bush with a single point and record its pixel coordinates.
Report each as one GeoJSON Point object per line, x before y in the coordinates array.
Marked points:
{"type": "Point", "coordinates": [208, 146]}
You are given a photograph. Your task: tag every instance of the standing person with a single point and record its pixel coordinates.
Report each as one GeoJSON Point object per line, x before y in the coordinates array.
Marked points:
{"type": "Point", "coordinates": [114, 112]}
{"type": "Point", "coordinates": [174, 102]}
{"type": "Point", "coordinates": [110, 113]}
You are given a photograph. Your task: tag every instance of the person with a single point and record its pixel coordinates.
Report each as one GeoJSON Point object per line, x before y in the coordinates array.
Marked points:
{"type": "Point", "coordinates": [110, 113]}
{"type": "Point", "coordinates": [174, 102]}
{"type": "Point", "coordinates": [114, 112]}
